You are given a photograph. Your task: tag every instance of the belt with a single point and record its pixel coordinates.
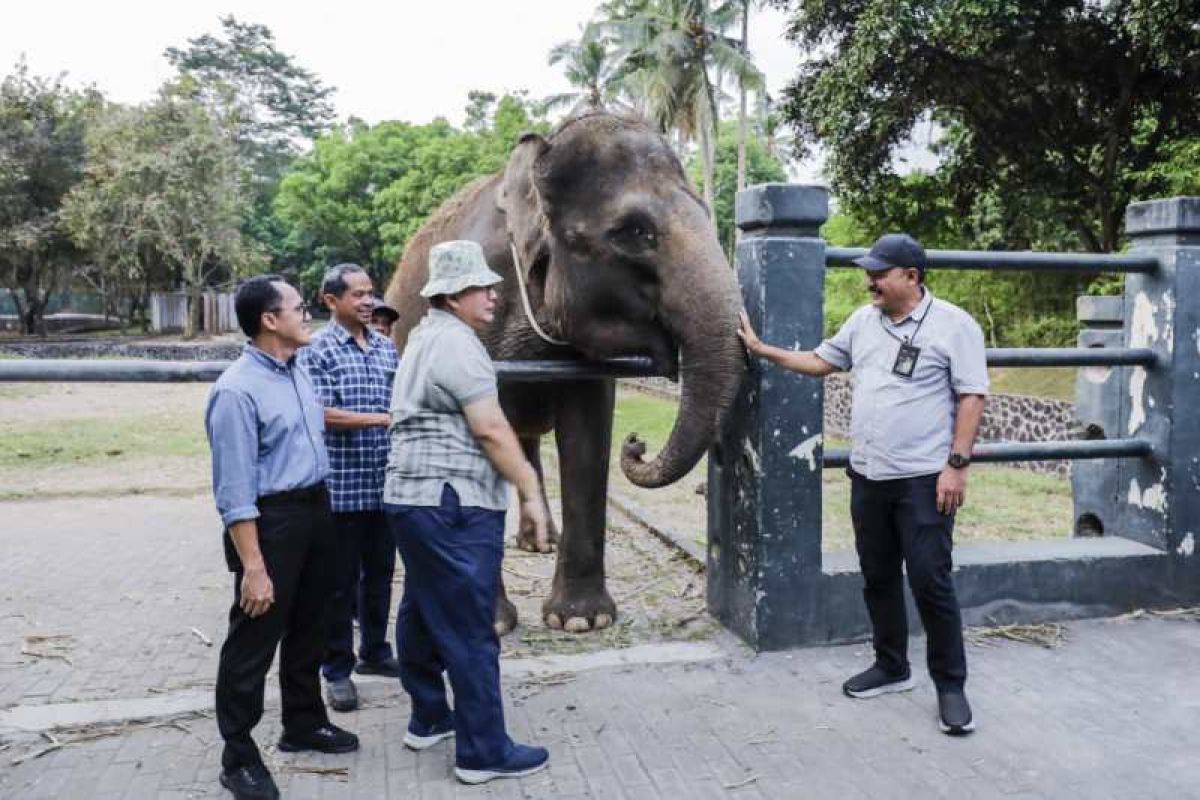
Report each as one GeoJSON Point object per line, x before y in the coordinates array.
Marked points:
{"type": "Point", "coordinates": [316, 493]}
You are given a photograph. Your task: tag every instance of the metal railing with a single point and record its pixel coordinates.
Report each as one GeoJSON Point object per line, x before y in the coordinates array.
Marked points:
{"type": "Point", "coordinates": [843, 257]}
{"type": "Point", "coordinates": [139, 371]}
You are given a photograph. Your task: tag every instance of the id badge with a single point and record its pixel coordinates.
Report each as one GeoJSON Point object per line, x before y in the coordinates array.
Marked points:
{"type": "Point", "coordinates": [906, 360]}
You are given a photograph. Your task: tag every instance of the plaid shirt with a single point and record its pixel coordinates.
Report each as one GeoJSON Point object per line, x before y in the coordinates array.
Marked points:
{"type": "Point", "coordinates": [445, 369]}
{"type": "Point", "coordinates": [348, 377]}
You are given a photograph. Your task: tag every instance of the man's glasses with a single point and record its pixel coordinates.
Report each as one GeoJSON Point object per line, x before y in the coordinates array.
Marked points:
{"type": "Point", "coordinates": [301, 309]}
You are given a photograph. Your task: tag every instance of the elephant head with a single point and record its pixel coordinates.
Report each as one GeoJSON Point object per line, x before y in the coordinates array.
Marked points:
{"type": "Point", "coordinates": [620, 258]}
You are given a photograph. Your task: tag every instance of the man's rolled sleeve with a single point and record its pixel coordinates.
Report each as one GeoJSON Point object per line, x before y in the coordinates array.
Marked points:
{"type": "Point", "coordinates": [968, 359]}
{"type": "Point", "coordinates": [837, 350]}
{"type": "Point", "coordinates": [232, 427]}
{"type": "Point", "coordinates": [468, 377]}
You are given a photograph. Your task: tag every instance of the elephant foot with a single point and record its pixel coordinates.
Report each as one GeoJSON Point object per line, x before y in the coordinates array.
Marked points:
{"type": "Point", "coordinates": [506, 616]}
{"type": "Point", "coordinates": [579, 611]}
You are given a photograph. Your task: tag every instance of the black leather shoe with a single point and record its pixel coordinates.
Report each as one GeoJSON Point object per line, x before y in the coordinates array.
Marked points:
{"type": "Point", "coordinates": [250, 783]}
{"type": "Point", "coordinates": [389, 668]}
{"type": "Point", "coordinates": [328, 738]}
{"type": "Point", "coordinates": [954, 713]}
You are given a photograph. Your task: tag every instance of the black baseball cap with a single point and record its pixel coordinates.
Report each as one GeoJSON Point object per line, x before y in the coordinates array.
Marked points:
{"type": "Point", "coordinates": [894, 250]}
{"type": "Point", "coordinates": [381, 309]}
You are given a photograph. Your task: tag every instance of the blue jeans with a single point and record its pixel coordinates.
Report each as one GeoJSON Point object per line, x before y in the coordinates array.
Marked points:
{"type": "Point", "coordinates": [452, 559]}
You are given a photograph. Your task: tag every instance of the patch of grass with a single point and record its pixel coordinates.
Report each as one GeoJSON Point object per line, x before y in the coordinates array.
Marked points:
{"type": "Point", "coordinates": [19, 391]}
{"type": "Point", "coordinates": [1002, 502]}
{"type": "Point", "coordinates": [1057, 383]}
{"type": "Point", "coordinates": [651, 418]}
{"type": "Point", "coordinates": [47, 443]}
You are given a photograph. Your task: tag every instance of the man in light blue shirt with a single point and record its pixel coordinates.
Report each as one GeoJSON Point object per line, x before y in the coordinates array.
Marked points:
{"type": "Point", "coordinates": [920, 382]}
{"type": "Point", "coordinates": [269, 464]}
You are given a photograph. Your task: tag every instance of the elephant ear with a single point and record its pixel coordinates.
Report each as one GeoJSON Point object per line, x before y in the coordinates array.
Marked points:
{"type": "Point", "coordinates": [518, 199]}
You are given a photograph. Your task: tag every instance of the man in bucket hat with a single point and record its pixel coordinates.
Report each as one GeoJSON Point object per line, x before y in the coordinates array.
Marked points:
{"type": "Point", "coordinates": [452, 457]}
{"type": "Point", "coordinates": [920, 384]}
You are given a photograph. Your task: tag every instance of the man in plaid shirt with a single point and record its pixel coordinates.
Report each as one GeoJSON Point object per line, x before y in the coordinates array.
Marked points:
{"type": "Point", "coordinates": [352, 368]}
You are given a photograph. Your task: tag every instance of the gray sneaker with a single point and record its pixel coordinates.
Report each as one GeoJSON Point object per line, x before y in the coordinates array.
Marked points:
{"type": "Point", "coordinates": [341, 695]}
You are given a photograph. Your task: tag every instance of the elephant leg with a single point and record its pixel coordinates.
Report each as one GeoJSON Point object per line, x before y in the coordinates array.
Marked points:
{"type": "Point", "coordinates": [579, 600]}
{"type": "Point", "coordinates": [532, 447]}
{"type": "Point", "coordinates": [506, 612]}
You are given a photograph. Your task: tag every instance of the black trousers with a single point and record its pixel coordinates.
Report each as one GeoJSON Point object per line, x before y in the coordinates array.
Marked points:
{"type": "Point", "coordinates": [896, 523]}
{"type": "Point", "coordinates": [295, 534]}
{"type": "Point", "coordinates": [366, 563]}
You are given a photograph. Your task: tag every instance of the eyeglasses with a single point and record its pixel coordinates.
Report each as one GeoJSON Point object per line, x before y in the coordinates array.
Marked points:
{"type": "Point", "coordinates": [301, 309]}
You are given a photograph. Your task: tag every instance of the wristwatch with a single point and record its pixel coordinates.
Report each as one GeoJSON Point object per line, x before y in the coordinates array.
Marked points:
{"type": "Point", "coordinates": [958, 460]}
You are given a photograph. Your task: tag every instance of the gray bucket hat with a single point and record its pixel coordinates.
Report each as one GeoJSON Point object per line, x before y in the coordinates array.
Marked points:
{"type": "Point", "coordinates": [457, 265]}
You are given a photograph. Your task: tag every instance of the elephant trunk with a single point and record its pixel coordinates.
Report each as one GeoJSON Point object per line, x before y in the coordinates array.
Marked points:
{"type": "Point", "coordinates": [703, 320]}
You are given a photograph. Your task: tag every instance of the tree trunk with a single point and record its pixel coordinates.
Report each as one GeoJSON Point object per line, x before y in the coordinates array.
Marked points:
{"type": "Point", "coordinates": [706, 155]}
{"type": "Point", "coordinates": [195, 305]}
{"type": "Point", "coordinates": [741, 143]}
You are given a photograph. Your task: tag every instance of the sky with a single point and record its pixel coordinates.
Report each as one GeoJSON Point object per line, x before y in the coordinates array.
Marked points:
{"type": "Point", "coordinates": [402, 60]}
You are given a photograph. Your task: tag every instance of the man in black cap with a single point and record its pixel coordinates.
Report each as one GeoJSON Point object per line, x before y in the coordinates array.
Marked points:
{"type": "Point", "coordinates": [920, 383]}
{"type": "Point", "coordinates": [383, 317]}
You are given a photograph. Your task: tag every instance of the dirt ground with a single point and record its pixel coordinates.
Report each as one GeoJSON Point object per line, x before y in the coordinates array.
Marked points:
{"type": "Point", "coordinates": [659, 594]}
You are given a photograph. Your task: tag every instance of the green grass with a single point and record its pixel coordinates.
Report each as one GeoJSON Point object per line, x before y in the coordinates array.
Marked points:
{"type": "Point", "coordinates": [651, 418]}
{"type": "Point", "coordinates": [62, 442]}
{"type": "Point", "coordinates": [1057, 383]}
{"type": "Point", "coordinates": [1002, 503]}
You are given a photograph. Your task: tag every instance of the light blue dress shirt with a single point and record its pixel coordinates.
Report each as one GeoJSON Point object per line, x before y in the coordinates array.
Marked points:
{"type": "Point", "coordinates": [265, 428]}
{"type": "Point", "coordinates": [902, 427]}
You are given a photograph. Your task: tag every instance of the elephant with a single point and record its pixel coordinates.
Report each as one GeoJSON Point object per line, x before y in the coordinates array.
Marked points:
{"type": "Point", "coordinates": [606, 250]}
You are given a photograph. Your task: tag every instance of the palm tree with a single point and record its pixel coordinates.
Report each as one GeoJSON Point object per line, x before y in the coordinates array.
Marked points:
{"type": "Point", "coordinates": [589, 67]}
{"type": "Point", "coordinates": [668, 50]}
{"type": "Point", "coordinates": [743, 90]}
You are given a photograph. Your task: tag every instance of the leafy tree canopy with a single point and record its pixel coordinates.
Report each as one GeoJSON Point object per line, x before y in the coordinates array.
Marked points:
{"type": "Point", "coordinates": [42, 153]}
{"type": "Point", "coordinates": [163, 186]}
{"type": "Point", "coordinates": [762, 166]}
{"type": "Point", "coordinates": [364, 190]}
{"type": "Point", "coordinates": [1070, 102]}
{"type": "Point", "coordinates": [275, 104]}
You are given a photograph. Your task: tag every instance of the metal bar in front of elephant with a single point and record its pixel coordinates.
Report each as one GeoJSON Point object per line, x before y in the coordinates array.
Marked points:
{"type": "Point", "coordinates": [146, 371]}
{"type": "Point", "coordinates": [1034, 451]}
{"type": "Point", "coordinates": [1029, 260]}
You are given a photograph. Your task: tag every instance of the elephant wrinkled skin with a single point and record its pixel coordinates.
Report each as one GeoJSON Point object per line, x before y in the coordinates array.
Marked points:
{"type": "Point", "coordinates": [619, 258]}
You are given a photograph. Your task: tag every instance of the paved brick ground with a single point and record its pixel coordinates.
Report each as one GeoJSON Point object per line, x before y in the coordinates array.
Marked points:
{"type": "Point", "coordinates": [1112, 713]}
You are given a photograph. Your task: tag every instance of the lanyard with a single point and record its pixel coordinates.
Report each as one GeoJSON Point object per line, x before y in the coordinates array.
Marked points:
{"type": "Point", "coordinates": [906, 339]}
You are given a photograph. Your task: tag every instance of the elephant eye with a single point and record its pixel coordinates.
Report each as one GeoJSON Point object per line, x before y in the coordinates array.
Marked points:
{"type": "Point", "coordinates": [636, 234]}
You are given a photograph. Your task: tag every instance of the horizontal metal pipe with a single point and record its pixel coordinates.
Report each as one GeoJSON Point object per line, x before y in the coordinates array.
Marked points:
{"type": "Point", "coordinates": [1070, 356]}
{"type": "Point", "coordinates": [1027, 260]}
{"type": "Point", "coordinates": [1074, 449]}
{"type": "Point", "coordinates": [146, 371]}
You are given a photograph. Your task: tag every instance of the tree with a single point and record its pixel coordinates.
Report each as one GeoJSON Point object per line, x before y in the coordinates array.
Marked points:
{"type": "Point", "coordinates": [1066, 101]}
{"type": "Point", "coordinates": [164, 180]}
{"type": "Point", "coordinates": [364, 190]}
{"type": "Point", "coordinates": [669, 50]}
{"type": "Point", "coordinates": [42, 152]}
{"type": "Point", "coordinates": [590, 67]}
{"type": "Point", "coordinates": [274, 108]}
{"type": "Point", "coordinates": [761, 167]}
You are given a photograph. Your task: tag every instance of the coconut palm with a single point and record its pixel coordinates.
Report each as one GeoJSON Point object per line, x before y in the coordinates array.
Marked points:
{"type": "Point", "coordinates": [590, 67]}
{"type": "Point", "coordinates": [668, 52]}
